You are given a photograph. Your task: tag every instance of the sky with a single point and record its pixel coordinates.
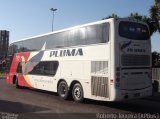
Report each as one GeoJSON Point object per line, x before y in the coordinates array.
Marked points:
{"type": "Point", "coordinates": [27, 18]}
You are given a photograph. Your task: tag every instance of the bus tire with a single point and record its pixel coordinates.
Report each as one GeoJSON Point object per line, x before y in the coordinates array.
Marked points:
{"type": "Point", "coordinates": [63, 90]}
{"type": "Point", "coordinates": [77, 93]}
{"type": "Point", "coordinates": [17, 85]}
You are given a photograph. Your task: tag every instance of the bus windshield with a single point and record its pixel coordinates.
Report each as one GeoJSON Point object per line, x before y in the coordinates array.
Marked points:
{"type": "Point", "coordinates": [132, 30]}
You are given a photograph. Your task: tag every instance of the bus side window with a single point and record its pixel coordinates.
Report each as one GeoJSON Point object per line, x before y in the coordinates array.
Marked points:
{"type": "Point", "coordinates": [92, 34]}
{"type": "Point", "coordinates": [19, 68]}
{"type": "Point", "coordinates": [47, 68]}
{"type": "Point", "coordinates": [72, 37]}
{"type": "Point", "coordinates": [105, 32]}
{"type": "Point", "coordinates": [81, 36]}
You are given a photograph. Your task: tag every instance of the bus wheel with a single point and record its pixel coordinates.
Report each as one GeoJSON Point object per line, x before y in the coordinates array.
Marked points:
{"type": "Point", "coordinates": [17, 85]}
{"type": "Point", "coordinates": [63, 90]}
{"type": "Point", "coordinates": [77, 93]}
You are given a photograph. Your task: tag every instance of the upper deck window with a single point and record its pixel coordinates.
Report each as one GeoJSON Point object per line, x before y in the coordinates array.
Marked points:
{"type": "Point", "coordinates": [86, 35]}
{"type": "Point", "coordinates": [133, 30]}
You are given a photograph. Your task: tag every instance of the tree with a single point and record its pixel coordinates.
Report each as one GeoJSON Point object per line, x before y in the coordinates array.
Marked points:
{"type": "Point", "coordinates": [155, 59]}
{"type": "Point", "coordinates": [153, 20]}
{"type": "Point", "coordinates": [147, 20]}
{"type": "Point", "coordinates": [111, 16]}
{"type": "Point", "coordinates": [155, 14]}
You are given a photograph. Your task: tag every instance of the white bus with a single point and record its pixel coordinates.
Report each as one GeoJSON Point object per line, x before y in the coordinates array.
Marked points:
{"type": "Point", "coordinates": [108, 60]}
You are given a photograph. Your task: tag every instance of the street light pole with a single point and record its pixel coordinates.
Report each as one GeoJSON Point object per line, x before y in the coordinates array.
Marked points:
{"type": "Point", "coordinates": [53, 10]}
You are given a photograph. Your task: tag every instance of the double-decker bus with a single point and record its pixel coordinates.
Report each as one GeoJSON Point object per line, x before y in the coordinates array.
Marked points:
{"type": "Point", "coordinates": [108, 60]}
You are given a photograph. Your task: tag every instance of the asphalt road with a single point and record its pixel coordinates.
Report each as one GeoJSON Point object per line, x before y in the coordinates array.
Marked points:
{"type": "Point", "coordinates": [30, 103]}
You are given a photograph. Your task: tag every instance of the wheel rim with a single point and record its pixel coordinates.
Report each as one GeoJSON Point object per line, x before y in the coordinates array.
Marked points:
{"type": "Point", "coordinates": [63, 90]}
{"type": "Point", "coordinates": [77, 93]}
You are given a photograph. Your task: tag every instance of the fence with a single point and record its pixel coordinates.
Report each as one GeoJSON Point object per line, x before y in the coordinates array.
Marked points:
{"type": "Point", "coordinates": [156, 79]}
{"type": "Point", "coordinates": [155, 73]}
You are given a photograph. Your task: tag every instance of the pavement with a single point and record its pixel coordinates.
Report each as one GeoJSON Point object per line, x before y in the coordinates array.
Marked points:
{"type": "Point", "coordinates": [154, 97]}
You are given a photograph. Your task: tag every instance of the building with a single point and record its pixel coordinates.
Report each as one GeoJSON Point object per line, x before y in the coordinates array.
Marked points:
{"type": "Point", "coordinates": [4, 43]}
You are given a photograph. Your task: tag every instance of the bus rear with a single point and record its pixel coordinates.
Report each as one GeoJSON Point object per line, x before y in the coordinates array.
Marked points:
{"type": "Point", "coordinates": [132, 68]}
